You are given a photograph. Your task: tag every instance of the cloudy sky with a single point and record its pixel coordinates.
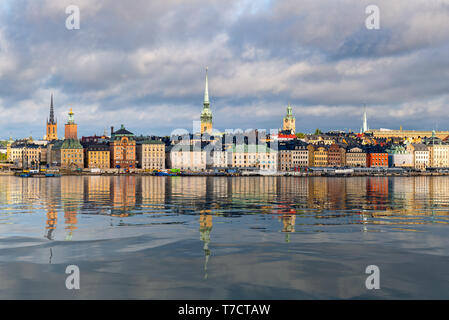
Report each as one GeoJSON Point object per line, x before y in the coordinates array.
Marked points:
{"type": "Point", "coordinates": [142, 63]}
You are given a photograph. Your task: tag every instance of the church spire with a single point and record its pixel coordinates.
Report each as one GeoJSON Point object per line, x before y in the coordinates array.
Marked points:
{"type": "Point", "coordinates": [206, 114]}
{"type": "Point", "coordinates": [52, 112]}
{"type": "Point", "coordinates": [206, 91]}
{"type": "Point", "coordinates": [365, 122]}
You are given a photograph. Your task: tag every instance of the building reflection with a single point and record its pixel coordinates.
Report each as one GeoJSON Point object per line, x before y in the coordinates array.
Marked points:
{"type": "Point", "coordinates": [123, 195]}
{"type": "Point", "coordinates": [72, 197]}
{"type": "Point", "coordinates": [313, 202]}
{"type": "Point", "coordinates": [205, 231]}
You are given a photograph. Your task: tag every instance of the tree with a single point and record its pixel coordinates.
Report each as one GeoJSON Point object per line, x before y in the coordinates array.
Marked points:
{"type": "Point", "coordinates": [318, 131]}
{"type": "Point", "coordinates": [300, 135]}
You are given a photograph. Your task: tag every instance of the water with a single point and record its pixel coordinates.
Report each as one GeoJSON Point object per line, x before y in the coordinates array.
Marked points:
{"type": "Point", "coordinates": [224, 238]}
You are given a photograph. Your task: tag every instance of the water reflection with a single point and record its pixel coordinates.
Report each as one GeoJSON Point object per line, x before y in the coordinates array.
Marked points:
{"type": "Point", "coordinates": [298, 202]}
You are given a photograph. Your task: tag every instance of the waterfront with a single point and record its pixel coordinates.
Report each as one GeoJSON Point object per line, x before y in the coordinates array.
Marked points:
{"type": "Point", "coordinates": [224, 238]}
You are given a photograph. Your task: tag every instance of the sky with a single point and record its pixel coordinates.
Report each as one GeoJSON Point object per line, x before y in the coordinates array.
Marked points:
{"type": "Point", "coordinates": [142, 63]}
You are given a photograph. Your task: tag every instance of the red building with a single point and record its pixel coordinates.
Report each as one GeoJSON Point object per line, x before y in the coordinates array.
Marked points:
{"type": "Point", "coordinates": [336, 156]}
{"type": "Point", "coordinates": [377, 159]}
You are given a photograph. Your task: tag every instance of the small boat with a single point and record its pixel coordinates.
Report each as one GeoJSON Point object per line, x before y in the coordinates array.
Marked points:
{"type": "Point", "coordinates": [25, 175]}
{"type": "Point", "coordinates": [50, 175]}
{"type": "Point", "coordinates": [165, 174]}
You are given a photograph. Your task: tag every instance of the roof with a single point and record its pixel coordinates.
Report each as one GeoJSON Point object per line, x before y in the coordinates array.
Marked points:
{"type": "Point", "coordinates": [122, 132]}
{"type": "Point", "coordinates": [150, 142]}
{"type": "Point", "coordinates": [71, 144]}
{"type": "Point", "coordinates": [98, 147]}
{"type": "Point", "coordinates": [420, 147]}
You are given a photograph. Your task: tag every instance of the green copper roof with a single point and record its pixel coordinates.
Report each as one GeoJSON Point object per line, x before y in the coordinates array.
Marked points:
{"type": "Point", "coordinates": [289, 112]}
{"type": "Point", "coordinates": [71, 144]}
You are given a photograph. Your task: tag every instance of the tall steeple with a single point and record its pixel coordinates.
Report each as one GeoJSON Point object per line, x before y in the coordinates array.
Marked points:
{"type": "Point", "coordinates": [206, 114]}
{"type": "Point", "coordinates": [52, 112]}
{"type": "Point", "coordinates": [52, 127]}
{"type": "Point", "coordinates": [289, 121]}
{"type": "Point", "coordinates": [365, 122]}
{"type": "Point", "coordinates": [206, 92]}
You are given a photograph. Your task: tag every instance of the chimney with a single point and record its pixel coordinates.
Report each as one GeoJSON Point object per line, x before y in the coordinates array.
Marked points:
{"type": "Point", "coordinates": [112, 131]}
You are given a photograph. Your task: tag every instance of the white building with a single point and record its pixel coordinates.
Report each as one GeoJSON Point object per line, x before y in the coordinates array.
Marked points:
{"type": "Point", "coordinates": [421, 156]}
{"type": "Point", "coordinates": [185, 157]}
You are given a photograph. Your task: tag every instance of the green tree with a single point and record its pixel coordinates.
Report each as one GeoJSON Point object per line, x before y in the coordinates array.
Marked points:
{"type": "Point", "coordinates": [318, 131]}
{"type": "Point", "coordinates": [300, 135]}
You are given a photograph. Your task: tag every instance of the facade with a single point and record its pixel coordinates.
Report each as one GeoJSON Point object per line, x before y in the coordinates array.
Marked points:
{"type": "Point", "coordinates": [336, 156]}
{"type": "Point", "coordinates": [292, 156]}
{"type": "Point", "coordinates": [400, 157]}
{"type": "Point", "coordinates": [318, 155]}
{"type": "Point", "coordinates": [186, 157]}
{"type": "Point", "coordinates": [220, 159]}
{"type": "Point", "coordinates": [355, 157]}
{"type": "Point", "coordinates": [206, 114]}
{"type": "Point", "coordinates": [438, 151]}
{"type": "Point", "coordinates": [150, 154]}
{"type": "Point", "coordinates": [123, 149]}
{"type": "Point", "coordinates": [72, 154]}
{"type": "Point", "coordinates": [289, 123]}
{"type": "Point", "coordinates": [438, 155]}
{"type": "Point", "coordinates": [421, 157]}
{"type": "Point", "coordinates": [54, 153]}
{"type": "Point", "coordinates": [257, 156]}
{"type": "Point", "coordinates": [52, 125]}
{"type": "Point", "coordinates": [376, 158]}
{"type": "Point", "coordinates": [25, 155]}
{"type": "Point", "coordinates": [98, 156]}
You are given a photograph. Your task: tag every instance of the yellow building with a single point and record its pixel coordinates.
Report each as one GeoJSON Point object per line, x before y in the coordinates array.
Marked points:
{"type": "Point", "coordinates": [72, 154]}
{"type": "Point", "coordinates": [317, 155]}
{"type": "Point", "coordinates": [411, 134]}
{"type": "Point", "coordinates": [24, 155]}
{"type": "Point", "coordinates": [98, 156]}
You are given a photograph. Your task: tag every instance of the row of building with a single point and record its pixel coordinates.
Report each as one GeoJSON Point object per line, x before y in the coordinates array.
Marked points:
{"type": "Point", "coordinates": [210, 150]}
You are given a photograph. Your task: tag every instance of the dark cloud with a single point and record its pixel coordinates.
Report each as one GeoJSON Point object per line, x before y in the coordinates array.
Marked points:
{"type": "Point", "coordinates": [142, 63]}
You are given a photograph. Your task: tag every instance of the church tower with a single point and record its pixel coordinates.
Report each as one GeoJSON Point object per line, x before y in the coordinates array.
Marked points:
{"type": "Point", "coordinates": [71, 128]}
{"type": "Point", "coordinates": [364, 123]}
{"type": "Point", "coordinates": [206, 114]}
{"type": "Point", "coordinates": [52, 125]}
{"type": "Point", "coordinates": [289, 121]}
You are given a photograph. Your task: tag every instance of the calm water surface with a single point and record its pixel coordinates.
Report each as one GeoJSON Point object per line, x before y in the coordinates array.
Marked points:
{"type": "Point", "coordinates": [224, 238]}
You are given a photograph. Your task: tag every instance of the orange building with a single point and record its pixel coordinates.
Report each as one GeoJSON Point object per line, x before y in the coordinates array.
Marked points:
{"type": "Point", "coordinates": [377, 159]}
{"type": "Point", "coordinates": [71, 128]}
{"type": "Point", "coordinates": [52, 125]}
{"type": "Point", "coordinates": [123, 149]}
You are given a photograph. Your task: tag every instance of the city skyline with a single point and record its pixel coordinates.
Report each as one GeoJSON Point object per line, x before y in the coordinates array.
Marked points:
{"type": "Point", "coordinates": [149, 73]}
